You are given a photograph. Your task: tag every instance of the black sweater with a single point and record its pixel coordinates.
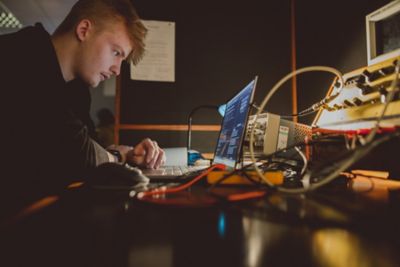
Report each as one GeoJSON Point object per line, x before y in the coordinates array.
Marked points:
{"type": "Point", "coordinates": [45, 136]}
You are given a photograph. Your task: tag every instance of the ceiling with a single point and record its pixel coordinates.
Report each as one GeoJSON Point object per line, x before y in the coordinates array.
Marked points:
{"type": "Point", "coordinates": [49, 12]}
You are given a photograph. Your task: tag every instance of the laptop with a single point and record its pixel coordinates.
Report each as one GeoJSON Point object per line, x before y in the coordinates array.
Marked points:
{"type": "Point", "coordinates": [229, 142]}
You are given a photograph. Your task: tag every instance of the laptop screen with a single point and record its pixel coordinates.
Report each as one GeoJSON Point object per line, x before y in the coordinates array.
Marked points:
{"type": "Point", "coordinates": [233, 127]}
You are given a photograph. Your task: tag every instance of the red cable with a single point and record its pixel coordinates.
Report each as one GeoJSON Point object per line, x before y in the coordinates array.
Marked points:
{"type": "Point", "coordinates": [181, 187]}
{"type": "Point", "coordinates": [363, 131]}
{"type": "Point", "coordinates": [247, 195]}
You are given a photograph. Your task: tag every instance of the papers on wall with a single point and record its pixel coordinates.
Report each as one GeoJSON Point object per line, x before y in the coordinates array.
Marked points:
{"type": "Point", "coordinates": [158, 63]}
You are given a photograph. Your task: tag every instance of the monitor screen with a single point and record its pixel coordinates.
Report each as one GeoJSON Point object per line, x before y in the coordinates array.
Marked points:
{"type": "Point", "coordinates": [383, 33]}
{"type": "Point", "coordinates": [387, 34]}
{"type": "Point", "coordinates": [233, 127]}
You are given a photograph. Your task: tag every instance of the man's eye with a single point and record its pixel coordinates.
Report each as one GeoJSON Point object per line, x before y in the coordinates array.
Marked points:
{"type": "Point", "coordinates": [116, 53]}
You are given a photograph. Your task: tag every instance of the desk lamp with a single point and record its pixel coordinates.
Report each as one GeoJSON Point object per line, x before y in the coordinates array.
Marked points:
{"type": "Point", "coordinates": [221, 111]}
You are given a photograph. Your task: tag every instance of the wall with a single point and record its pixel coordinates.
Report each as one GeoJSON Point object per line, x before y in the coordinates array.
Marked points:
{"type": "Point", "coordinates": [103, 97]}
{"type": "Point", "coordinates": [330, 33]}
{"type": "Point", "coordinates": [221, 45]}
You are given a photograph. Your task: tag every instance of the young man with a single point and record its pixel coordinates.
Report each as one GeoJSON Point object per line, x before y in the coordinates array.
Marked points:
{"type": "Point", "coordinates": [45, 99]}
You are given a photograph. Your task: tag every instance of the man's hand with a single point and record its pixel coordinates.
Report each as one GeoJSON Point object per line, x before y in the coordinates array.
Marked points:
{"type": "Point", "coordinates": [146, 154]}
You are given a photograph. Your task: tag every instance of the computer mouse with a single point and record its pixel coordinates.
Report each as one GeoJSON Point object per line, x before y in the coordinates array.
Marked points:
{"type": "Point", "coordinates": [115, 176]}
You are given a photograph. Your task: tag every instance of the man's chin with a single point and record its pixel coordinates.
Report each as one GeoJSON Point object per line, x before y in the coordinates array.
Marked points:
{"type": "Point", "coordinates": [93, 84]}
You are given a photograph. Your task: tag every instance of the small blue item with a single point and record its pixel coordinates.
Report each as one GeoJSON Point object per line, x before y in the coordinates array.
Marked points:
{"type": "Point", "coordinates": [193, 156]}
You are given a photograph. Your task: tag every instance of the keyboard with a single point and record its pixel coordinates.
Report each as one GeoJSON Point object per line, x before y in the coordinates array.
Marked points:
{"type": "Point", "coordinates": [172, 171]}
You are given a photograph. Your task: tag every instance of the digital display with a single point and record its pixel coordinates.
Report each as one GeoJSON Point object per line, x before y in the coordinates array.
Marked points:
{"type": "Point", "coordinates": [383, 33]}
{"type": "Point", "coordinates": [234, 126]}
{"type": "Point", "coordinates": [387, 34]}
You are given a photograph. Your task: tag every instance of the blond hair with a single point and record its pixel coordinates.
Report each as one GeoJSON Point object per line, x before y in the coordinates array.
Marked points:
{"type": "Point", "coordinates": [102, 12]}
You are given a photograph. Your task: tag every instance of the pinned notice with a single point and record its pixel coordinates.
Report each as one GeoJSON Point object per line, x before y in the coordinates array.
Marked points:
{"type": "Point", "coordinates": [158, 63]}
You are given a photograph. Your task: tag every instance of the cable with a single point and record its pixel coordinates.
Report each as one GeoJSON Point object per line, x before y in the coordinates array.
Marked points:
{"type": "Point", "coordinates": [313, 107]}
{"type": "Point", "coordinates": [223, 178]}
{"type": "Point", "coordinates": [162, 191]}
{"type": "Point", "coordinates": [331, 170]}
{"type": "Point", "coordinates": [334, 169]}
{"type": "Point", "coordinates": [300, 114]}
{"type": "Point", "coordinates": [241, 171]}
{"type": "Point", "coordinates": [395, 88]}
{"type": "Point", "coordinates": [299, 144]}
{"type": "Point", "coordinates": [303, 157]}
{"type": "Point", "coordinates": [230, 197]}
{"type": "Point", "coordinates": [246, 195]}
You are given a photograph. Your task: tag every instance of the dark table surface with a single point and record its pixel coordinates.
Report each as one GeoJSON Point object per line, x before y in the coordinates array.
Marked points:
{"type": "Point", "coordinates": [88, 227]}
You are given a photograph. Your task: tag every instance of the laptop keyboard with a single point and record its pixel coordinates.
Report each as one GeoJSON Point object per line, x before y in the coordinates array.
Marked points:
{"type": "Point", "coordinates": [176, 170]}
{"type": "Point", "coordinates": [173, 170]}
{"type": "Point", "coordinates": [169, 170]}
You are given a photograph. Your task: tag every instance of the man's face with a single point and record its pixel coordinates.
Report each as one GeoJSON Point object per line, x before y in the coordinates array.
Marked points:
{"type": "Point", "coordinates": [102, 52]}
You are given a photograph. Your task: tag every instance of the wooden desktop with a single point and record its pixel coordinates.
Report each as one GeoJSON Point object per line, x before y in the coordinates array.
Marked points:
{"type": "Point", "coordinates": [337, 225]}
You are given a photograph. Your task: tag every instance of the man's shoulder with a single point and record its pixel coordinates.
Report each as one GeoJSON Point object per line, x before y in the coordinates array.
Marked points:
{"type": "Point", "coordinates": [25, 37]}
{"type": "Point", "coordinates": [29, 53]}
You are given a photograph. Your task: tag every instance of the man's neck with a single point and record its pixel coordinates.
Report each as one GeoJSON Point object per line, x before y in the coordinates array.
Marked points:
{"type": "Point", "coordinates": [64, 50]}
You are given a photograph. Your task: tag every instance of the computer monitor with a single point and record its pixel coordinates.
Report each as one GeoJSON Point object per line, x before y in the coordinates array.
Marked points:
{"type": "Point", "coordinates": [383, 33]}
{"type": "Point", "coordinates": [233, 127]}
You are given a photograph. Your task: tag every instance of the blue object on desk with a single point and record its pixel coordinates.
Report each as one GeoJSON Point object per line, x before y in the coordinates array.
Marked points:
{"type": "Point", "coordinates": [193, 156]}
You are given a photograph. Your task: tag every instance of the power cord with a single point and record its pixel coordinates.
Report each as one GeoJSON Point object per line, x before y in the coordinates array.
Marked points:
{"type": "Point", "coordinates": [333, 170]}
{"type": "Point", "coordinates": [164, 190]}
{"type": "Point", "coordinates": [390, 96]}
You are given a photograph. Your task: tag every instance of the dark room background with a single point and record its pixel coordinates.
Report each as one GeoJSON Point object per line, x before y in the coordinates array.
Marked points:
{"type": "Point", "coordinates": [221, 45]}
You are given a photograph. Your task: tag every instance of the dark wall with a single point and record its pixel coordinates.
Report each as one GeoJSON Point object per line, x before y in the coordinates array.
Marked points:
{"type": "Point", "coordinates": [330, 33]}
{"type": "Point", "coordinates": [221, 45]}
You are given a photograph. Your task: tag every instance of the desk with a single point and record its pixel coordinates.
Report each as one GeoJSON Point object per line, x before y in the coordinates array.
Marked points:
{"type": "Point", "coordinates": [87, 227]}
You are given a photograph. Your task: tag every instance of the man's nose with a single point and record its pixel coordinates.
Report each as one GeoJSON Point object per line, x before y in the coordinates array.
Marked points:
{"type": "Point", "coordinates": [116, 68]}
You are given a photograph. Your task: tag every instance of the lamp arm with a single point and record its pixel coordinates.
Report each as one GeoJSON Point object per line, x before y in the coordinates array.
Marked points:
{"type": "Point", "coordinates": [192, 112]}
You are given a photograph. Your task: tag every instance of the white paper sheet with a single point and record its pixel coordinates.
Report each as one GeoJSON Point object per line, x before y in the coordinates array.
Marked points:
{"type": "Point", "coordinates": [158, 64]}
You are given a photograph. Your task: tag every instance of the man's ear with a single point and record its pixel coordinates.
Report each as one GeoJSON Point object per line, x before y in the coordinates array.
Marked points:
{"type": "Point", "coordinates": [83, 29]}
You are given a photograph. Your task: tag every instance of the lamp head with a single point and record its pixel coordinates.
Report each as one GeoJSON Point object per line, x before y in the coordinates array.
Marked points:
{"type": "Point", "coordinates": [221, 109]}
